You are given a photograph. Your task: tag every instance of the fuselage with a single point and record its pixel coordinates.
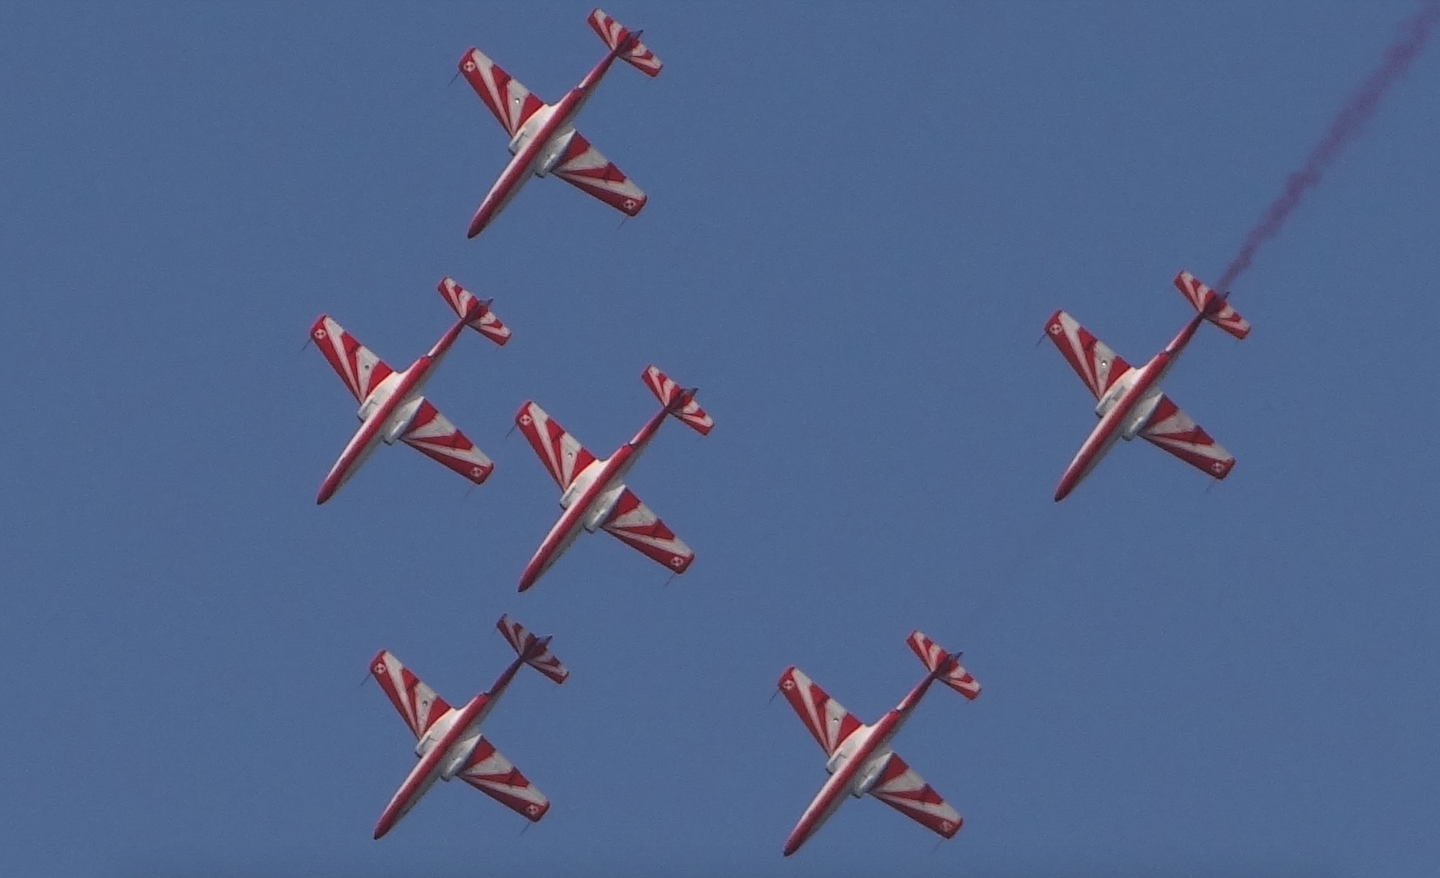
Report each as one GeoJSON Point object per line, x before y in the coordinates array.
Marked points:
{"type": "Point", "coordinates": [590, 497]}
{"type": "Point", "coordinates": [855, 766]}
{"type": "Point", "coordinates": [538, 145]}
{"type": "Point", "coordinates": [1125, 408]}
{"type": "Point", "coordinates": [444, 750]}
{"type": "Point", "coordinates": [386, 413]}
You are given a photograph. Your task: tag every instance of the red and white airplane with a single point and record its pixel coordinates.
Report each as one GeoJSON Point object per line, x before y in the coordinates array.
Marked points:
{"type": "Point", "coordinates": [594, 493]}
{"type": "Point", "coordinates": [861, 760]}
{"type": "Point", "coordinates": [542, 138]}
{"type": "Point", "coordinates": [449, 741]}
{"type": "Point", "coordinates": [391, 407]}
{"type": "Point", "coordinates": [1131, 402]}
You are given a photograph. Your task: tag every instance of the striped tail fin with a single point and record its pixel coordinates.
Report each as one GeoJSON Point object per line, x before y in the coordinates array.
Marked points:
{"type": "Point", "coordinates": [535, 651]}
{"type": "Point", "coordinates": [944, 666]}
{"type": "Point", "coordinates": [626, 43]}
{"type": "Point", "coordinates": [480, 317]}
{"type": "Point", "coordinates": [1211, 304]}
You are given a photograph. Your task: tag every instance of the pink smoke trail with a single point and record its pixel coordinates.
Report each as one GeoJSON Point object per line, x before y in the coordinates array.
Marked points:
{"type": "Point", "coordinates": [1346, 127]}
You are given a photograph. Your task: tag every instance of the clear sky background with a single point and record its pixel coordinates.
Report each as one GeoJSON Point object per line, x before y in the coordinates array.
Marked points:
{"type": "Point", "coordinates": [860, 217]}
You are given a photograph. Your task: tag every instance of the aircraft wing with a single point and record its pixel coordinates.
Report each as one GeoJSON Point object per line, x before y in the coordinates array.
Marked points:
{"type": "Point", "coordinates": [511, 102]}
{"type": "Point", "coordinates": [417, 703]}
{"type": "Point", "coordinates": [1174, 431]}
{"type": "Point", "coordinates": [632, 522]}
{"type": "Point", "coordinates": [360, 369]}
{"type": "Point", "coordinates": [907, 792]}
{"type": "Point", "coordinates": [828, 721]}
{"type": "Point", "coordinates": [492, 774]}
{"type": "Point", "coordinates": [563, 455]}
{"type": "Point", "coordinates": [582, 166]}
{"type": "Point", "coordinates": [432, 434]}
{"type": "Point", "coordinates": [1092, 359]}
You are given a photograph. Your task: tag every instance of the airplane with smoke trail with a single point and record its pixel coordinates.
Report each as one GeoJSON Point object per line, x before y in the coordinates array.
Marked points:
{"type": "Point", "coordinates": [448, 740]}
{"type": "Point", "coordinates": [860, 759]}
{"type": "Point", "coordinates": [543, 139]}
{"type": "Point", "coordinates": [1130, 402]}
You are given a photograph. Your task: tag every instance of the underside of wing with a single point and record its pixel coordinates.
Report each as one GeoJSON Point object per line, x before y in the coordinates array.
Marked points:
{"type": "Point", "coordinates": [632, 522]}
{"type": "Point", "coordinates": [1174, 431]}
{"type": "Point", "coordinates": [511, 102]}
{"type": "Point", "coordinates": [416, 702]}
{"type": "Point", "coordinates": [432, 434]}
{"type": "Point", "coordinates": [582, 166]}
{"type": "Point", "coordinates": [360, 369]}
{"type": "Point", "coordinates": [907, 792]}
{"type": "Point", "coordinates": [828, 721]}
{"type": "Point", "coordinates": [1092, 359]}
{"type": "Point", "coordinates": [563, 455]}
{"type": "Point", "coordinates": [492, 774]}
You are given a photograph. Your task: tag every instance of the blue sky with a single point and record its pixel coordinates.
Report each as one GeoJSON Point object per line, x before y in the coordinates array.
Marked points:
{"type": "Point", "coordinates": [859, 220]}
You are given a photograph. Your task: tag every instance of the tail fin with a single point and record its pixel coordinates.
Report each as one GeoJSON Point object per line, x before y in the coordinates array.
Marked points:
{"type": "Point", "coordinates": [627, 45]}
{"type": "Point", "coordinates": [534, 650]}
{"type": "Point", "coordinates": [944, 666]}
{"type": "Point", "coordinates": [1211, 304]}
{"type": "Point", "coordinates": [679, 401]}
{"type": "Point", "coordinates": [479, 316]}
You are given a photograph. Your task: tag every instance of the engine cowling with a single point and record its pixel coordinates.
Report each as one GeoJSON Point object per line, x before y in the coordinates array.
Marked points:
{"type": "Point", "coordinates": [1112, 396]}
{"type": "Point", "coordinates": [867, 776]}
{"type": "Point", "coordinates": [400, 419]}
{"type": "Point", "coordinates": [553, 151]}
{"type": "Point", "coordinates": [433, 734]}
{"type": "Point", "coordinates": [602, 507]}
{"type": "Point", "coordinates": [379, 396]}
{"type": "Point", "coordinates": [1140, 414]}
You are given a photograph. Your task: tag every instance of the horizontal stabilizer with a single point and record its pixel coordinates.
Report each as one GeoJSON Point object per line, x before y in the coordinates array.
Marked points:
{"type": "Point", "coordinates": [945, 666]}
{"type": "Point", "coordinates": [475, 312]}
{"type": "Point", "coordinates": [1214, 306]}
{"type": "Point", "coordinates": [678, 401]}
{"type": "Point", "coordinates": [617, 37]}
{"type": "Point", "coordinates": [534, 650]}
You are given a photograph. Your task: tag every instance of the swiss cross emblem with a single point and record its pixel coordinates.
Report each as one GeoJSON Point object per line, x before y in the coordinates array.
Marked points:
{"type": "Point", "coordinates": [946, 826]}
{"type": "Point", "coordinates": [319, 334]}
{"type": "Point", "coordinates": [1217, 466]}
{"type": "Point", "coordinates": [379, 667]}
{"type": "Point", "coordinates": [1055, 329]}
{"type": "Point", "coordinates": [476, 472]}
{"type": "Point", "coordinates": [788, 685]}
{"type": "Point", "coordinates": [525, 420]}
{"type": "Point", "coordinates": [469, 66]}
{"type": "Point", "coordinates": [532, 809]}
{"type": "Point", "coordinates": [676, 562]}
{"type": "Point", "coordinates": [629, 204]}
